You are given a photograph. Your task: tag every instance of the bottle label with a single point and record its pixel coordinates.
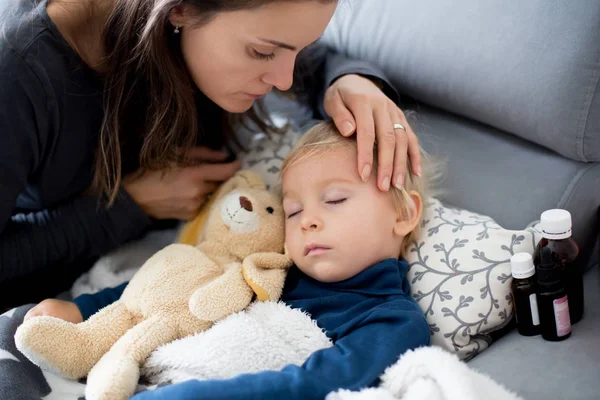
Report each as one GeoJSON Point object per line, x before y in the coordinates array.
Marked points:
{"type": "Point", "coordinates": [535, 316]}
{"type": "Point", "coordinates": [561, 316]}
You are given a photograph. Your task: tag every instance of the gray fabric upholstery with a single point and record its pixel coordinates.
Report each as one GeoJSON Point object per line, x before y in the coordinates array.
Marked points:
{"type": "Point", "coordinates": [540, 370]}
{"type": "Point", "coordinates": [489, 172]}
{"type": "Point", "coordinates": [527, 67]}
{"type": "Point", "coordinates": [507, 178]}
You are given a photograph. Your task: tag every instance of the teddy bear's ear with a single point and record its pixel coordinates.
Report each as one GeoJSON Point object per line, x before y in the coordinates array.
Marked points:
{"type": "Point", "coordinates": [242, 179]}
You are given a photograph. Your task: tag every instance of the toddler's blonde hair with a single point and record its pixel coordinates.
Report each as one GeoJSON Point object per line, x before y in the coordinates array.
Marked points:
{"type": "Point", "coordinates": [325, 136]}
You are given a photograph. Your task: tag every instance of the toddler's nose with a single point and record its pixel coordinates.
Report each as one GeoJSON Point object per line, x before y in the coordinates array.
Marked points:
{"type": "Point", "coordinates": [312, 223]}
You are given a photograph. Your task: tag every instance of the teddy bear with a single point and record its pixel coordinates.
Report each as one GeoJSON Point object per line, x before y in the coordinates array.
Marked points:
{"type": "Point", "coordinates": [181, 290]}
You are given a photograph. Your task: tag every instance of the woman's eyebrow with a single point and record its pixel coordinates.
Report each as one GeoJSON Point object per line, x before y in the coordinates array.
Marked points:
{"type": "Point", "coordinates": [280, 44]}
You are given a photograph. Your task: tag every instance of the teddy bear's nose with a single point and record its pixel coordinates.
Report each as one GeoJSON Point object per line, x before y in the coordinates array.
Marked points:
{"type": "Point", "coordinates": [245, 203]}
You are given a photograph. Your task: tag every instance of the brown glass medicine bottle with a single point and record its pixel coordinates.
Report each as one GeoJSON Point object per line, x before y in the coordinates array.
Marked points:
{"type": "Point", "coordinates": [524, 292]}
{"type": "Point", "coordinates": [556, 236]}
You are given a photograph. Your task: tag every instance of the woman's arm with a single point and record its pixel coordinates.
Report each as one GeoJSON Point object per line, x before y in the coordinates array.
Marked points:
{"type": "Point", "coordinates": [318, 66]}
{"type": "Point", "coordinates": [356, 361]}
{"type": "Point", "coordinates": [359, 99]}
{"type": "Point", "coordinates": [80, 228]}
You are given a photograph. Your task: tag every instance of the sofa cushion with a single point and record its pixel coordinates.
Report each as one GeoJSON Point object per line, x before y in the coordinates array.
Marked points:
{"type": "Point", "coordinates": [530, 68]}
{"type": "Point", "coordinates": [507, 178]}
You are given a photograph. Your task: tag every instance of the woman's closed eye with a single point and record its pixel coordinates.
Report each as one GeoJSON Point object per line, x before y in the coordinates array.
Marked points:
{"type": "Point", "coordinates": [262, 56]}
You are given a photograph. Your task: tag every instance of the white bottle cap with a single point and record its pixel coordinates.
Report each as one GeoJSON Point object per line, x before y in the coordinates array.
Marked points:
{"type": "Point", "coordinates": [521, 266]}
{"type": "Point", "coordinates": [556, 224]}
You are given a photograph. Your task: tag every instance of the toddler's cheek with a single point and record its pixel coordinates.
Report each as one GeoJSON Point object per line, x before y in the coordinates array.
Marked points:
{"type": "Point", "coordinates": [293, 249]}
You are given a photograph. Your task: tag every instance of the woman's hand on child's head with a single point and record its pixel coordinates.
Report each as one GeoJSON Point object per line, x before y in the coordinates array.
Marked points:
{"type": "Point", "coordinates": [357, 104]}
{"type": "Point", "coordinates": [179, 193]}
{"type": "Point", "coordinates": [65, 310]}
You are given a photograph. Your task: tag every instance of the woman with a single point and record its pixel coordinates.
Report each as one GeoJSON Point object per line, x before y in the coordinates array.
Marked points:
{"type": "Point", "coordinates": [112, 113]}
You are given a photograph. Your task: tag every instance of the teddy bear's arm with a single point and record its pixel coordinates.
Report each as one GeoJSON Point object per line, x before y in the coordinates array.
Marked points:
{"type": "Point", "coordinates": [227, 294]}
{"type": "Point", "coordinates": [265, 273]}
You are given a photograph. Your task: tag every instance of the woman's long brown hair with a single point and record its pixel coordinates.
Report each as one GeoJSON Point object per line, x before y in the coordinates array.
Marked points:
{"type": "Point", "coordinates": [150, 98]}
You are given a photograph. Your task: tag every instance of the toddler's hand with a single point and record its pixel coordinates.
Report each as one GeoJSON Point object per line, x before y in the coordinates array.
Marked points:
{"type": "Point", "coordinates": [56, 308]}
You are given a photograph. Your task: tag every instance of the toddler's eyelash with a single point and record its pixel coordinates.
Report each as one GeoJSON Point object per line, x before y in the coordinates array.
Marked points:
{"type": "Point", "coordinates": [340, 201]}
{"type": "Point", "coordinates": [262, 56]}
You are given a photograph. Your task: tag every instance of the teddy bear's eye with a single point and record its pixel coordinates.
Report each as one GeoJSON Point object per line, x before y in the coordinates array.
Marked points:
{"type": "Point", "coordinates": [270, 210]}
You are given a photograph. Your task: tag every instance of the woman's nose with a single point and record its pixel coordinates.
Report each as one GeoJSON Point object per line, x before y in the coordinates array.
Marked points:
{"type": "Point", "coordinates": [280, 75]}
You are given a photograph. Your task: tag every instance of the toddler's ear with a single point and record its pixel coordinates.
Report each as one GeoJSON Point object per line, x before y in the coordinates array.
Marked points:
{"type": "Point", "coordinates": [407, 221]}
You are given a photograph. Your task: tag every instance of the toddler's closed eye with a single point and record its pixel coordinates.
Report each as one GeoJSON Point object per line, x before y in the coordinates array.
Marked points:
{"type": "Point", "coordinates": [294, 214]}
{"type": "Point", "coordinates": [339, 201]}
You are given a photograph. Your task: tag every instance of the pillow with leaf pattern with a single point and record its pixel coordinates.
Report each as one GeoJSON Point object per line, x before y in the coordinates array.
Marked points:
{"type": "Point", "coordinates": [459, 271]}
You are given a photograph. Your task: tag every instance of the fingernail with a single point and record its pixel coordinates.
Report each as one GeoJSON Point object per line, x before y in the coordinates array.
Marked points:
{"type": "Point", "coordinates": [385, 184]}
{"type": "Point", "coordinates": [419, 171]}
{"type": "Point", "coordinates": [347, 128]}
{"type": "Point", "coordinates": [399, 182]}
{"type": "Point", "coordinates": [366, 173]}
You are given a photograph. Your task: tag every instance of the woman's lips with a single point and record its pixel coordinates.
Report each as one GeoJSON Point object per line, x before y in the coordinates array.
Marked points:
{"type": "Point", "coordinates": [257, 96]}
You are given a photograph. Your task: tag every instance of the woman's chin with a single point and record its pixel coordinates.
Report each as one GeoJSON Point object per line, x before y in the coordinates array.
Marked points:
{"type": "Point", "coordinates": [236, 106]}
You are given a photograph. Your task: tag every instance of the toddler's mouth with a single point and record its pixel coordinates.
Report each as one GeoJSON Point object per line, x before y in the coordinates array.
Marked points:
{"type": "Point", "coordinates": [314, 249]}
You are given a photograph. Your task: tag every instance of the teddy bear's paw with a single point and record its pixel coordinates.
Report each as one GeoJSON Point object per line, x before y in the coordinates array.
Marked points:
{"type": "Point", "coordinates": [54, 345]}
{"type": "Point", "coordinates": [112, 378]}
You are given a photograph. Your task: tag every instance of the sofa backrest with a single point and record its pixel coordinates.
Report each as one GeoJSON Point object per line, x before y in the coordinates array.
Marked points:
{"type": "Point", "coordinates": [530, 68]}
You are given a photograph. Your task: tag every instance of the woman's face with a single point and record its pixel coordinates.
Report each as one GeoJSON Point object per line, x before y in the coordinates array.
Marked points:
{"type": "Point", "coordinates": [240, 56]}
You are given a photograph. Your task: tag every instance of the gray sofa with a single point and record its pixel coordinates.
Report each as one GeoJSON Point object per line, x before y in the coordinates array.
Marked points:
{"type": "Point", "coordinates": [508, 94]}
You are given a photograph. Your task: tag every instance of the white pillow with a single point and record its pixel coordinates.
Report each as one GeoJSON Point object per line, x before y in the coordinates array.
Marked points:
{"type": "Point", "coordinates": [459, 271]}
